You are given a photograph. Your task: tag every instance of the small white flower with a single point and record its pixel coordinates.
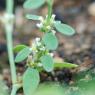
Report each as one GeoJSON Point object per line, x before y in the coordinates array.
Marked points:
{"type": "Point", "coordinates": [46, 16]}
{"type": "Point", "coordinates": [48, 27]}
{"type": "Point", "coordinates": [53, 16]}
{"type": "Point", "coordinates": [51, 54]}
{"type": "Point", "coordinates": [38, 44]}
{"type": "Point", "coordinates": [30, 49]}
{"type": "Point", "coordinates": [42, 48]}
{"type": "Point", "coordinates": [54, 32]}
{"type": "Point", "coordinates": [58, 22]}
{"type": "Point", "coordinates": [40, 65]}
{"type": "Point", "coordinates": [39, 25]}
{"type": "Point", "coordinates": [34, 46]}
{"type": "Point", "coordinates": [36, 51]}
{"type": "Point", "coordinates": [41, 19]}
{"type": "Point", "coordinates": [37, 39]}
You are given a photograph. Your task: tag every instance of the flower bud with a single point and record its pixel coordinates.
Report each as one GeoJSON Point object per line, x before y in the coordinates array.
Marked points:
{"type": "Point", "coordinates": [41, 19]}
{"type": "Point", "coordinates": [39, 25]}
{"type": "Point", "coordinates": [51, 54]}
{"type": "Point", "coordinates": [40, 65]}
{"type": "Point", "coordinates": [54, 32]}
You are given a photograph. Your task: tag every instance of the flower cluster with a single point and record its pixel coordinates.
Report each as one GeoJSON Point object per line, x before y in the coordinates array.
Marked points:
{"type": "Point", "coordinates": [37, 45]}
{"type": "Point", "coordinates": [38, 50]}
{"type": "Point", "coordinates": [45, 24]}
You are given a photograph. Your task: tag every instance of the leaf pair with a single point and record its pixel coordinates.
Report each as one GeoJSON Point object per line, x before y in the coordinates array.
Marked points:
{"type": "Point", "coordinates": [60, 27]}
{"type": "Point", "coordinates": [24, 52]}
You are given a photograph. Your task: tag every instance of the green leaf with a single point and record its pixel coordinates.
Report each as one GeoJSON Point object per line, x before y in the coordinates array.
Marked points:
{"type": "Point", "coordinates": [33, 17]}
{"type": "Point", "coordinates": [18, 48]}
{"type": "Point", "coordinates": [23, 54]}
{"type": "Point", "coordinates": [3, 89]}
{"type": "Point", "coordinates": [86, 85]}
{"type": "Point", "coordinates": [50, 88]}
{"type": "Point", "coordinates": [30, 81]}
{"type": "Point", "coordinates": [50, 41]}
{"type": "Point", "coordinates": [65, 65]}
{"type": "Point", "coordinates": [64, 28]}
{"type": "Point", "coordinates": [33, 4]}
{"type": "Point", "coordinates": [47, 62]}
{"type": "Point", "coordinates": [61, 66]}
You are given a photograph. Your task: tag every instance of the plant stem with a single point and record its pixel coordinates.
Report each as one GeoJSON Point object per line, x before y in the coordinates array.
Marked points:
{"type": "Point", "coordinates": [9, 6]}
{"type": "Point", "coordinates": [49, 2]}
{"type": "Point", "coordinates": [9, 30]}
{"type": "Point", "coordinates": [10, 53]}
{"type": "Point", "coordinates": [14, 90]}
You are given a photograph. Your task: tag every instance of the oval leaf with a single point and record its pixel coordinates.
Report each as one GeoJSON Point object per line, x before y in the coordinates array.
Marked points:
{"type": "Point", "coordinates": [33, 17]}
{"type": "Point", "coordinates": [30, 81]}
{"type": "Point", "coordinates": [47, 62]}
{"type": "Point", "coordinates": [64, 29]}
{"type": "Point", "coordinates": [50, 41]}
{"type": "Point", "coordinates": [33, 4]}
{"type": "Point", "coordinates": [18, 48]}
{"type": "Point", "coordinates": [23, 54]}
